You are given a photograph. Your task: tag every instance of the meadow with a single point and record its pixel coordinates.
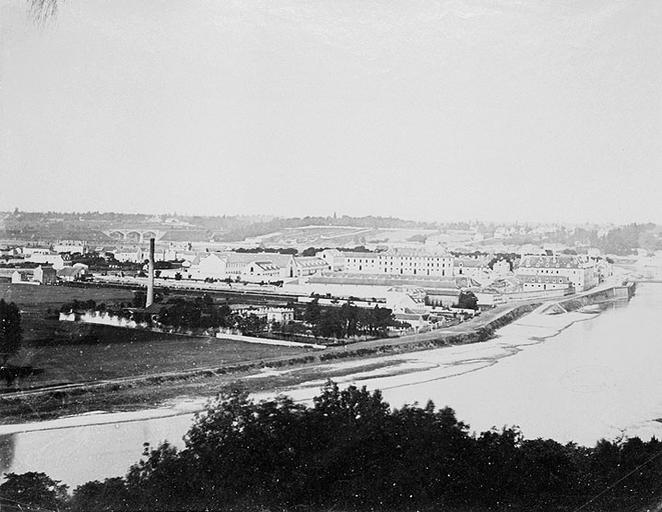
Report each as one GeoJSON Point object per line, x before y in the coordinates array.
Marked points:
{"type": "Point", "coordinates": [69, 352]}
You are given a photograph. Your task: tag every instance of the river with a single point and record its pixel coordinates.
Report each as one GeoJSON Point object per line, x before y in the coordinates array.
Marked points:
{"type": "Point", "coordinates": [572, 377]}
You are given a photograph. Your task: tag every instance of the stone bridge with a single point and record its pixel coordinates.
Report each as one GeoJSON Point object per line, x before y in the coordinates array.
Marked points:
{"type": "Point", "coordinates": [135, 235]}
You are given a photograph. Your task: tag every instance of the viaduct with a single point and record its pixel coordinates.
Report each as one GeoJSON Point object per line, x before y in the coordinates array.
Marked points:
{"type": "Point", "coordinates": [135, 235]}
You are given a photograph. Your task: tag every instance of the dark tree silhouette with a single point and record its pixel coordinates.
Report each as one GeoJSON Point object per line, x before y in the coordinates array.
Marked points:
{"type": "Point", "coordinates": [32, 491]}
{"type": "Point", "coordinates": [467, 300]}
{"type": "Point", "coordinates": [11, 333]}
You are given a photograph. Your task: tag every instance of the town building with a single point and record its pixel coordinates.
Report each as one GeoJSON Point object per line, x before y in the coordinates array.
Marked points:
{"type": "Point", "coordinates": [556, 272]}
{"type": "Point", "coordinates": [280, 315]}
{"type": "Point", "coordinates": [603, 268]}
{"type": "Point", "coordinates": [74, 273]}
{"type": "Point", "coordinates": [248, 267]}
{"type": "Point", "coordinates": [70, 247]}
{"type": "Point", "coordinates": [272, 315]}
{"type": "Point", "coordinates": [471, 267]}
{"type": "Point", "coordinates": [22, 277]}
{"type": "Point", "coordinates": [57, 261]}
{"type": "Point", "coordinates": [260, 271]}
{"type": "Point", "coordinates": [304, 266]}
{"type": "Point", "coordinates": [361, 262]}
{"type": "Point", "coordinates": [406, 261]}
{"type": "Point", "coordinates": [334, 258]}
{"type": "Point", "coordinates": [501, 268]}
{"type": "Point", "coordinates": [45, 274]}
{"type": "Point", "coordinates": [130, 255]}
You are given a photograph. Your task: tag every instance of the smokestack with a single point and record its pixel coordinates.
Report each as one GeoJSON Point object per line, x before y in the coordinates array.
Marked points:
{"type": "Point", "coordinates": [150, 278]}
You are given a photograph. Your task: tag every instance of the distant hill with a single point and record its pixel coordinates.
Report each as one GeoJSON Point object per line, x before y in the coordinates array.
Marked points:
{"type": "Point", "coordinates": [49, 226]}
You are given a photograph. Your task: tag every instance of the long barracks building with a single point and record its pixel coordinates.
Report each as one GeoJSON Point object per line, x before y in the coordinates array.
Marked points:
{"type": "Point", "coordinates": [409, 262]}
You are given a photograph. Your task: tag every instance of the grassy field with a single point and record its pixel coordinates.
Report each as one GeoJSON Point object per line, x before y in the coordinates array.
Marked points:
{"type": "Point", "coordinates": [35, 301]}
{"type": "Point", "coordinates": [69, 352]}
{"type": "Point", "coordinates": [123, 352]}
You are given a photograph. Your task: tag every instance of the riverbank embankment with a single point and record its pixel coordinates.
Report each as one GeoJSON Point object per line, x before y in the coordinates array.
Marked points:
{"type": "Point", "coordinates": [147, 391]}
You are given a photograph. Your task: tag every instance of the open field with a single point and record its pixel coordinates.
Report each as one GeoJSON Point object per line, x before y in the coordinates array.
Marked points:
{"type": "Point", "coordinates": [34, 302]}
{"type": "Point", "coordinates": [69, 352]}
{"type": "Point", "coordinates": [124, 353]}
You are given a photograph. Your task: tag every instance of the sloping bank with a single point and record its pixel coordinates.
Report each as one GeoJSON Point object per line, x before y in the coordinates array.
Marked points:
{"type": "Point", "coordinates": [145, 391]}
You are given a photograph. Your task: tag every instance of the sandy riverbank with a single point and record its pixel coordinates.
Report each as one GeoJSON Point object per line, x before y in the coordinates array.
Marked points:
{"type": "Point", "coordinates": [305, 381]}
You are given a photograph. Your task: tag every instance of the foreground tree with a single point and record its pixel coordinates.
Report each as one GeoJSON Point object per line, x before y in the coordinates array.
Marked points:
{"type": "Point", "coordinates": [11, 333]}
{"type": "Point", "coordinates": [110, 495]}
{"type": "Point", "coordinates": [467, 300]}
{"type": "Point", "coordinates": [32, 492]}
{"type": "Point", "coordinates": [351, 451]}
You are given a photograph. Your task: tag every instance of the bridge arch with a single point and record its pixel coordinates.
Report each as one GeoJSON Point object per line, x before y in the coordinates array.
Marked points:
{"type": "Point", "coordinates": [117, 235]}
{"type": "Point", "coordinates": [133, 236]}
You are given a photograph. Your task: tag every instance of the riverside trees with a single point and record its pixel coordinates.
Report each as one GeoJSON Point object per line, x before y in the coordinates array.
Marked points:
{"type": "Point", "coordinates": [347, 320]}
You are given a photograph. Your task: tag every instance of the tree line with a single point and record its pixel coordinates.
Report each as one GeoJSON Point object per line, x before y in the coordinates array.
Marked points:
{"type": "Point", "coordinates": [350, 451]}
{"type": "Point", "coordinates": [347, 320]}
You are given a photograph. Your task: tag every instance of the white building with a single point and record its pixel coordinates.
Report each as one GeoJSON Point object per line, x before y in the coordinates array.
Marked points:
{"type": "Point", "coordinates": [258, 271]}
{"type": "Point", "coordinates": [410, 262]}
{"type": "Point", "coordinates": [70, 247]}
{"type": "Point", "coordinates": [132, 255]}
{"type": "Point", "coordinates": [73, 273]}
{"type": "Point", "coordinates": [501, 268]}
{"type": "Point", "coordinates": [303, 266]}
{"type": "Point", "coordinates": [556, 272]}
{"type": "Point", "coordinates": [249, 267]}
{"type": "Point", "coordinates": [22, 277]}
{"type": "Point", "coordinates": [273, 315]}
{"type": "Point", "coordinates": [29, 251]}
{"type": "Point", "coordinates": [603, 269]}
{"type": "Point", "coordinates": [47, 258]}
{"type": "Point", "coordinates": [361, 262]}
{"type": "Point", "coordinates": [334, 258]}
{"type": "Point", "coordinates": [280, 315]}
{"type": "Point", "coordinates": [406, 299]}
{"type": "Point", "coordinates": [470, 267]}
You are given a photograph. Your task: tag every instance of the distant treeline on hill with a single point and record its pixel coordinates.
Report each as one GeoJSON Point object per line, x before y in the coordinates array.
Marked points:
{"type": "Point", "coordinates": [44, 226]}
{"type": "Point", "coordinates": [349, 451]}
{"type": "Point", "coordinates": [89, 225]}
{"type": "Point", "coordinates": [310, 251]}
{"type": "Point", "coordinates": [271, 226]}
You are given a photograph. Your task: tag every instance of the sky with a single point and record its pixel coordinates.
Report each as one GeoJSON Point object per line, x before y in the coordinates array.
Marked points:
{"type": "Point", "coordinates": [504, 110]}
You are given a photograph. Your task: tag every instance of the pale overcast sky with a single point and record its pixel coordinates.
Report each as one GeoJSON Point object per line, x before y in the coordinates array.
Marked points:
{"type": "Point", "coordinates": [424, 109]}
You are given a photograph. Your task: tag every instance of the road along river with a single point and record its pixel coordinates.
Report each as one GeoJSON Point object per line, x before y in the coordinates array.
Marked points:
{"type": "Point", "coordinates": [572, 377]}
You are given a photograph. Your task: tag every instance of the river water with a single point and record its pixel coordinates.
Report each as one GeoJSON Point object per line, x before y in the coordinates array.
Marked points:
{"type": "Point", "coordinates": [572, 377]}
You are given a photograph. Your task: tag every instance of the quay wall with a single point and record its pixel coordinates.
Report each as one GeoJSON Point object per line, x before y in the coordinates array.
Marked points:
{"type": "Point", "coordinates": [615, 293]}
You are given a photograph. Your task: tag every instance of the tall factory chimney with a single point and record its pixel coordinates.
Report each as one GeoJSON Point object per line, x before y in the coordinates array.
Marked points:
{"type": "Point", "coordinates": [150, 278]}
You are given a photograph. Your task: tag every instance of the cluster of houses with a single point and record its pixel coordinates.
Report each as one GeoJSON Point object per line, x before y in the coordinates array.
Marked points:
{"type": "Point", "coordinates": [45, 265]}
{"type": "Point", "coordinates": [252, 267]}
{"type": "Point", "coordinates": [346, 272]}
{"type": "Point", "coordinates": [49, 275]}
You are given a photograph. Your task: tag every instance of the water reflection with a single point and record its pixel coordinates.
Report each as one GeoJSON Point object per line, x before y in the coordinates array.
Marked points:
{"type": "Point", "coordinates": [76, 455]}
{"type": "Point", "coordinates": [7, 448]}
